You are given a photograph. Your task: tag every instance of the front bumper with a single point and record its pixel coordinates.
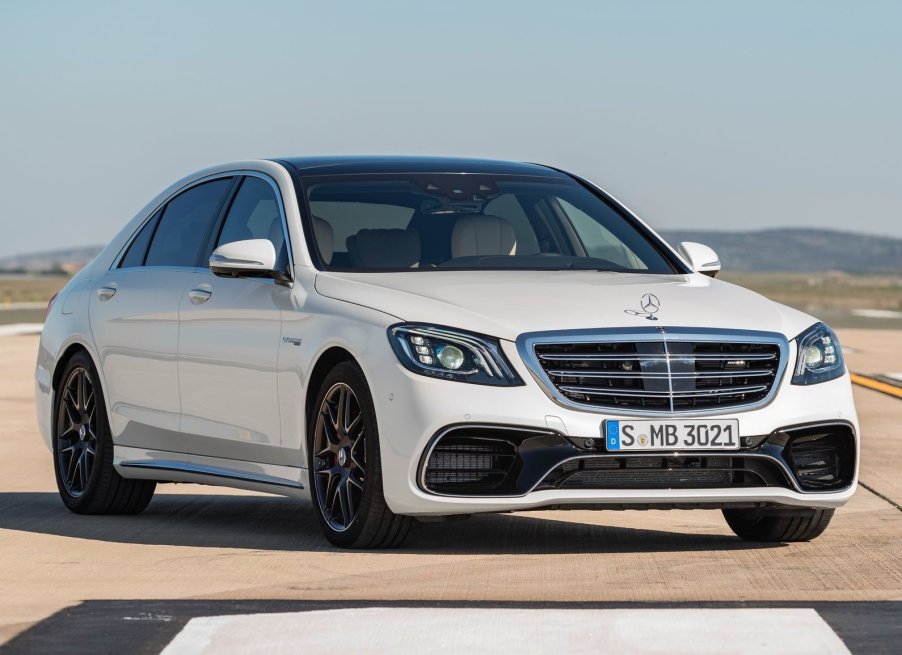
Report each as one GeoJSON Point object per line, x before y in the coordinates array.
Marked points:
{"type": "Point", "coordinates": [413, 409]}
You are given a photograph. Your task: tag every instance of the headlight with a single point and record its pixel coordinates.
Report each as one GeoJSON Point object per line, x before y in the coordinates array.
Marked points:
{"type": "Point", "coordinates": [819, 358]}
{"type": "Point", "coordinates": [450, 354]}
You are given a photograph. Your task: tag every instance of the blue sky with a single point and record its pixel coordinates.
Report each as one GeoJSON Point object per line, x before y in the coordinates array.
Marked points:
{"type": "Point", "coordinates": [726, 115]}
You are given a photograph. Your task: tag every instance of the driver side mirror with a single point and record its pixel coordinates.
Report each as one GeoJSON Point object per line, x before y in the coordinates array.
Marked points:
{"type": "Point", "coordinates": [249, 258]}
{"type": "Point", "coordinates": [700, 257]}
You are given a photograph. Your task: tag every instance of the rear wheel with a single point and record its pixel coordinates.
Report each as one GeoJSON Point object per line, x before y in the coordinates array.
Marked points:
{"type": "Point", "coordinates": [778, 525]}
{"type": "Point", "coordinates": [345, 466]}
{"type": "Point", "coordinates": [83, 448]}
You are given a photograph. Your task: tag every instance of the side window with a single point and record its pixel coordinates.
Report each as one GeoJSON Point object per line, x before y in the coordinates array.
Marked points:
{"type": "Point", "coordinates": [254, 214]}
{"type": "Point", "coordinates": [186, 225]}
{"type": "Point", "coordinates": [138, 248]}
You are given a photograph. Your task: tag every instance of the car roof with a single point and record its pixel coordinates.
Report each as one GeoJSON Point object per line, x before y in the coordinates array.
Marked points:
{"type": "Point", "coordinates": [350, 165]}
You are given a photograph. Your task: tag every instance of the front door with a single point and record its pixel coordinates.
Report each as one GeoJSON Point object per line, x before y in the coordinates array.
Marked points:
{"type": "Point", "coordinates": [230, 330]}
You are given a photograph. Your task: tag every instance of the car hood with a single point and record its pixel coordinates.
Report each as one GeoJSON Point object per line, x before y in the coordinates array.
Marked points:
{"type": "Point", "coordinates": [506, 304]}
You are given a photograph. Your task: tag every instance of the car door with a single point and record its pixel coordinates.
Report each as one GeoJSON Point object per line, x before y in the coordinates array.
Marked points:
{"type": "Point", "coordinates": [134, 316]}
{"type": "Point", "coordinates": [230, 330]}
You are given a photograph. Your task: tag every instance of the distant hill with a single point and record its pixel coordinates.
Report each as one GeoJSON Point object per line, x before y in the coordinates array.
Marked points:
{"type": "Point", "coordinates": [61, 260]}
{"type": "Point", "coordinates": [798, 249]}
{"type": "Point", "coordinates": [790, 249]}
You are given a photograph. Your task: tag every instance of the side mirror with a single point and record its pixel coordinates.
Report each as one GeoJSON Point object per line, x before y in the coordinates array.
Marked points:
{"type": "Point", "coordinates": [701, 258]}
{"type": "Point", "coordinates": [250, 258]}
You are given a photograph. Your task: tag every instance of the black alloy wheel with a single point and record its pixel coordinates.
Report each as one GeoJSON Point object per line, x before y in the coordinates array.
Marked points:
{"type": "Point", "coordinates": [76, 429]}
{"type": "Point", "coordinates": [345, 465]}
{"type": "Point", "coordinates": [88, 482]}
{"type": "Point", "coordinates": [339, 458]}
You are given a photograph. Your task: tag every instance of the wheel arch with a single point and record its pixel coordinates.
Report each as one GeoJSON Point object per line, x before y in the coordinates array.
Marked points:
{"type": "Point", "coordinates": [327, 360]}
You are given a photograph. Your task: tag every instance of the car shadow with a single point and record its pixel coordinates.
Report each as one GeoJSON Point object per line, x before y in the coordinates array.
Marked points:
{"type": "Point", "coordinates": [283, 524]}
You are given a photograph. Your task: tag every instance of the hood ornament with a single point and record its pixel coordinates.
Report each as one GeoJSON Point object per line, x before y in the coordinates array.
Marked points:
{"type": "Point", "coordinates": [650, 306]}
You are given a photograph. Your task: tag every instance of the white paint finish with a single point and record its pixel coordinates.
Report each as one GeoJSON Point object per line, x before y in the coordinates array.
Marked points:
{"type": "Point", "coordinates": [506, 304]}
{"type": "Point", "coordinates": [257, 416]}
{"type": "Point", "coordinates": [136, 331]}
{"type": "Point", "coordinates": [777, 631]}
{"type": "Point", "coordinates": [228, 358]}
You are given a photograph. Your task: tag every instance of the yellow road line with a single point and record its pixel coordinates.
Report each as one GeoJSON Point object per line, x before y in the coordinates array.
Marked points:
{"type": "Point", "coordinates": [876, 385]}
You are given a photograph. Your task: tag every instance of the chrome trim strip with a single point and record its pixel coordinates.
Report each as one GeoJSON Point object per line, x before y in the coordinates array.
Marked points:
{"type": "Point", "coordinates": [526, 348]}
{"type": "Point", "coordinates": [719, 391]}
{"type": "Point", "coordinates": [617, 357]}
{"type": "Point", "coordinates": [576, 373]}
{"type": "Point", "coordinates": [212, 471]}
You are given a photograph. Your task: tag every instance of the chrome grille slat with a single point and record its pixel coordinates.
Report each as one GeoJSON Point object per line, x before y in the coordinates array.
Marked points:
{"type": "Point", "coordinates": [724, 391]}
{"type": "Point", "coordinates": [660, 373]}
{"type": "Point", "coordinates": [634, 356]}
{"type": "Point", "coordinates": [577, 373]}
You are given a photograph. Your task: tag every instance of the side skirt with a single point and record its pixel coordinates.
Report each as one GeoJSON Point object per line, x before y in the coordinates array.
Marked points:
{"type": "Point", "coordinates": [164, 466]}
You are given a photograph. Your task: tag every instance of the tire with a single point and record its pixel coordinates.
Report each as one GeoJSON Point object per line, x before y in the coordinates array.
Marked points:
{"type": "Point", "coordinates": [343, 458]}
{"type": "Point", "coordinates": [778, 525]}
{"type": "Point", "coordinates": [83, 447]}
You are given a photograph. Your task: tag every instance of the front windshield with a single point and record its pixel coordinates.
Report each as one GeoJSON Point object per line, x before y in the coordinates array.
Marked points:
{"type": "Point", "coordinates": [446, 221]}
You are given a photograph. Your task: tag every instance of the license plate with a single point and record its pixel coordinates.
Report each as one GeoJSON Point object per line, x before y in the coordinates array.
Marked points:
{"type": "Point", "coordinates": [671, 435]}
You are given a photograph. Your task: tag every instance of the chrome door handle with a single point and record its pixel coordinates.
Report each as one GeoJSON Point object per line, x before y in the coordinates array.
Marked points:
{"type": "Point", "coordinates": [107, 292]}
{"type": "Point", "coordinates": [199, 296]}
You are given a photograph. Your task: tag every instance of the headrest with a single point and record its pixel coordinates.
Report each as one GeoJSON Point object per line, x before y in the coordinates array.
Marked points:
{"type": "Point", "coordinates": [325, 237]}
{"type": "Point", "coordinates": [482, 235]}
{"type": "Point", "coordinates": [389, 248]}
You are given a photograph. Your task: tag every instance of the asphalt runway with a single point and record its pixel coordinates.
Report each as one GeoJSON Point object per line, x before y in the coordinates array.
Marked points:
{"type": "Point", "coordinates": [145, 583]}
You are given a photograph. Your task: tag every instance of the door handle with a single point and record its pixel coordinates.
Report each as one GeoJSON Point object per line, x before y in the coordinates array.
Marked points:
{"type": "Point", "coordinates": [107, 292]}
{"type": "Point", "coordinates": [199, 295]}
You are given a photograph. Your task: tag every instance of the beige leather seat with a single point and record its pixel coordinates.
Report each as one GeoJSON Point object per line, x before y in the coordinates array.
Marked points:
{"type": "Point", "coordinates": [483, 236]}
{"type": "Point", "coordinates": [384, 248]}
{"type": "Point", "coordinates": [325, 238]}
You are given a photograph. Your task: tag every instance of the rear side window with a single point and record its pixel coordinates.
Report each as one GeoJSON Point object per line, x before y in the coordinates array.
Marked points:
{"type": "Point", "coordinates": [186, 224]}
{"type": "Point", "coordinates": [254, 214]}
{"type": "Point", "coordinates": [138, 248]}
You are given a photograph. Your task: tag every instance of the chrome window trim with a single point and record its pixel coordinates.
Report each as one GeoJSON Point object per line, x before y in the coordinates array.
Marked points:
{"type": "Point", "coordinates": [526, 348]}
{"type": "Point", "coordinates": [197, 182]}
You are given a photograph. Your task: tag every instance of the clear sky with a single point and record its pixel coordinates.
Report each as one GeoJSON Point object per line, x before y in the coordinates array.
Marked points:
{"type": "Point", "coordinates": [726, 115]}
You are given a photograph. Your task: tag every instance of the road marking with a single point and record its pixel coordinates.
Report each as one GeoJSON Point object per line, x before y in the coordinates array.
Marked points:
{"type": "Point", "coordinates": [17, 329]}
{"type": "Point", "coordinates": [876, 385]}
{"type": "Point", "coordinates": [402, 630]}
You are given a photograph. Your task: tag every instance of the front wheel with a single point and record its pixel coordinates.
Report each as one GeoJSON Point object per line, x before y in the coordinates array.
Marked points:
{"type": "Point", "coordinates": [345, 465]}
{"type": "Point", "coordinates": [778, 525]}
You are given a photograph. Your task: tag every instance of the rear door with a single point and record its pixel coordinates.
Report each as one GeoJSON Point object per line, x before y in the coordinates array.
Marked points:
{"type": "Point", "coordinates": [134, 316]}
{"type": "Point", "coordinates": [229, 340]}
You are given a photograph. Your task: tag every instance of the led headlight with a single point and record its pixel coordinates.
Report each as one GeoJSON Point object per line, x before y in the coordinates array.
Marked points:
{"type": "Point", "coordinates": [451, 354]}
{"type": "Point", "coordinates": [819, 356]}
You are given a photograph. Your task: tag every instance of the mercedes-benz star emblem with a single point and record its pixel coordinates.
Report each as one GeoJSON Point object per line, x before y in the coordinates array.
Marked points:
{"type": "Point", "coordinates": [650, 306]}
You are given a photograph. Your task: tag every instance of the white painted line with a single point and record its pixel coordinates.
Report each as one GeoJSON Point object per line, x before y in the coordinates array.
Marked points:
{"type": "Point", "coordinates": [893, 376]}
{"type": "Point", "coordinates": [877, 313]}
{"type": "Point", "coordinates": [15, 329]}
{"type": "Point", "coordinates": [404, 630]}
{"type": "Point", "coordinates": [9, 306]}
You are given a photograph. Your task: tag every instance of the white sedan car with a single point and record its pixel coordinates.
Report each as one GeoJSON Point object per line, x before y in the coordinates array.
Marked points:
{"type": "Point", "coordinates": [397, 338]}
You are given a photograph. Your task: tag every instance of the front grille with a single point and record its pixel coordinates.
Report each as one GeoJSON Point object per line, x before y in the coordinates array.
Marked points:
{"type": "Point", "coordinates": [656, 472]}
{"type": "Point", "coordinates": [665, 375]}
